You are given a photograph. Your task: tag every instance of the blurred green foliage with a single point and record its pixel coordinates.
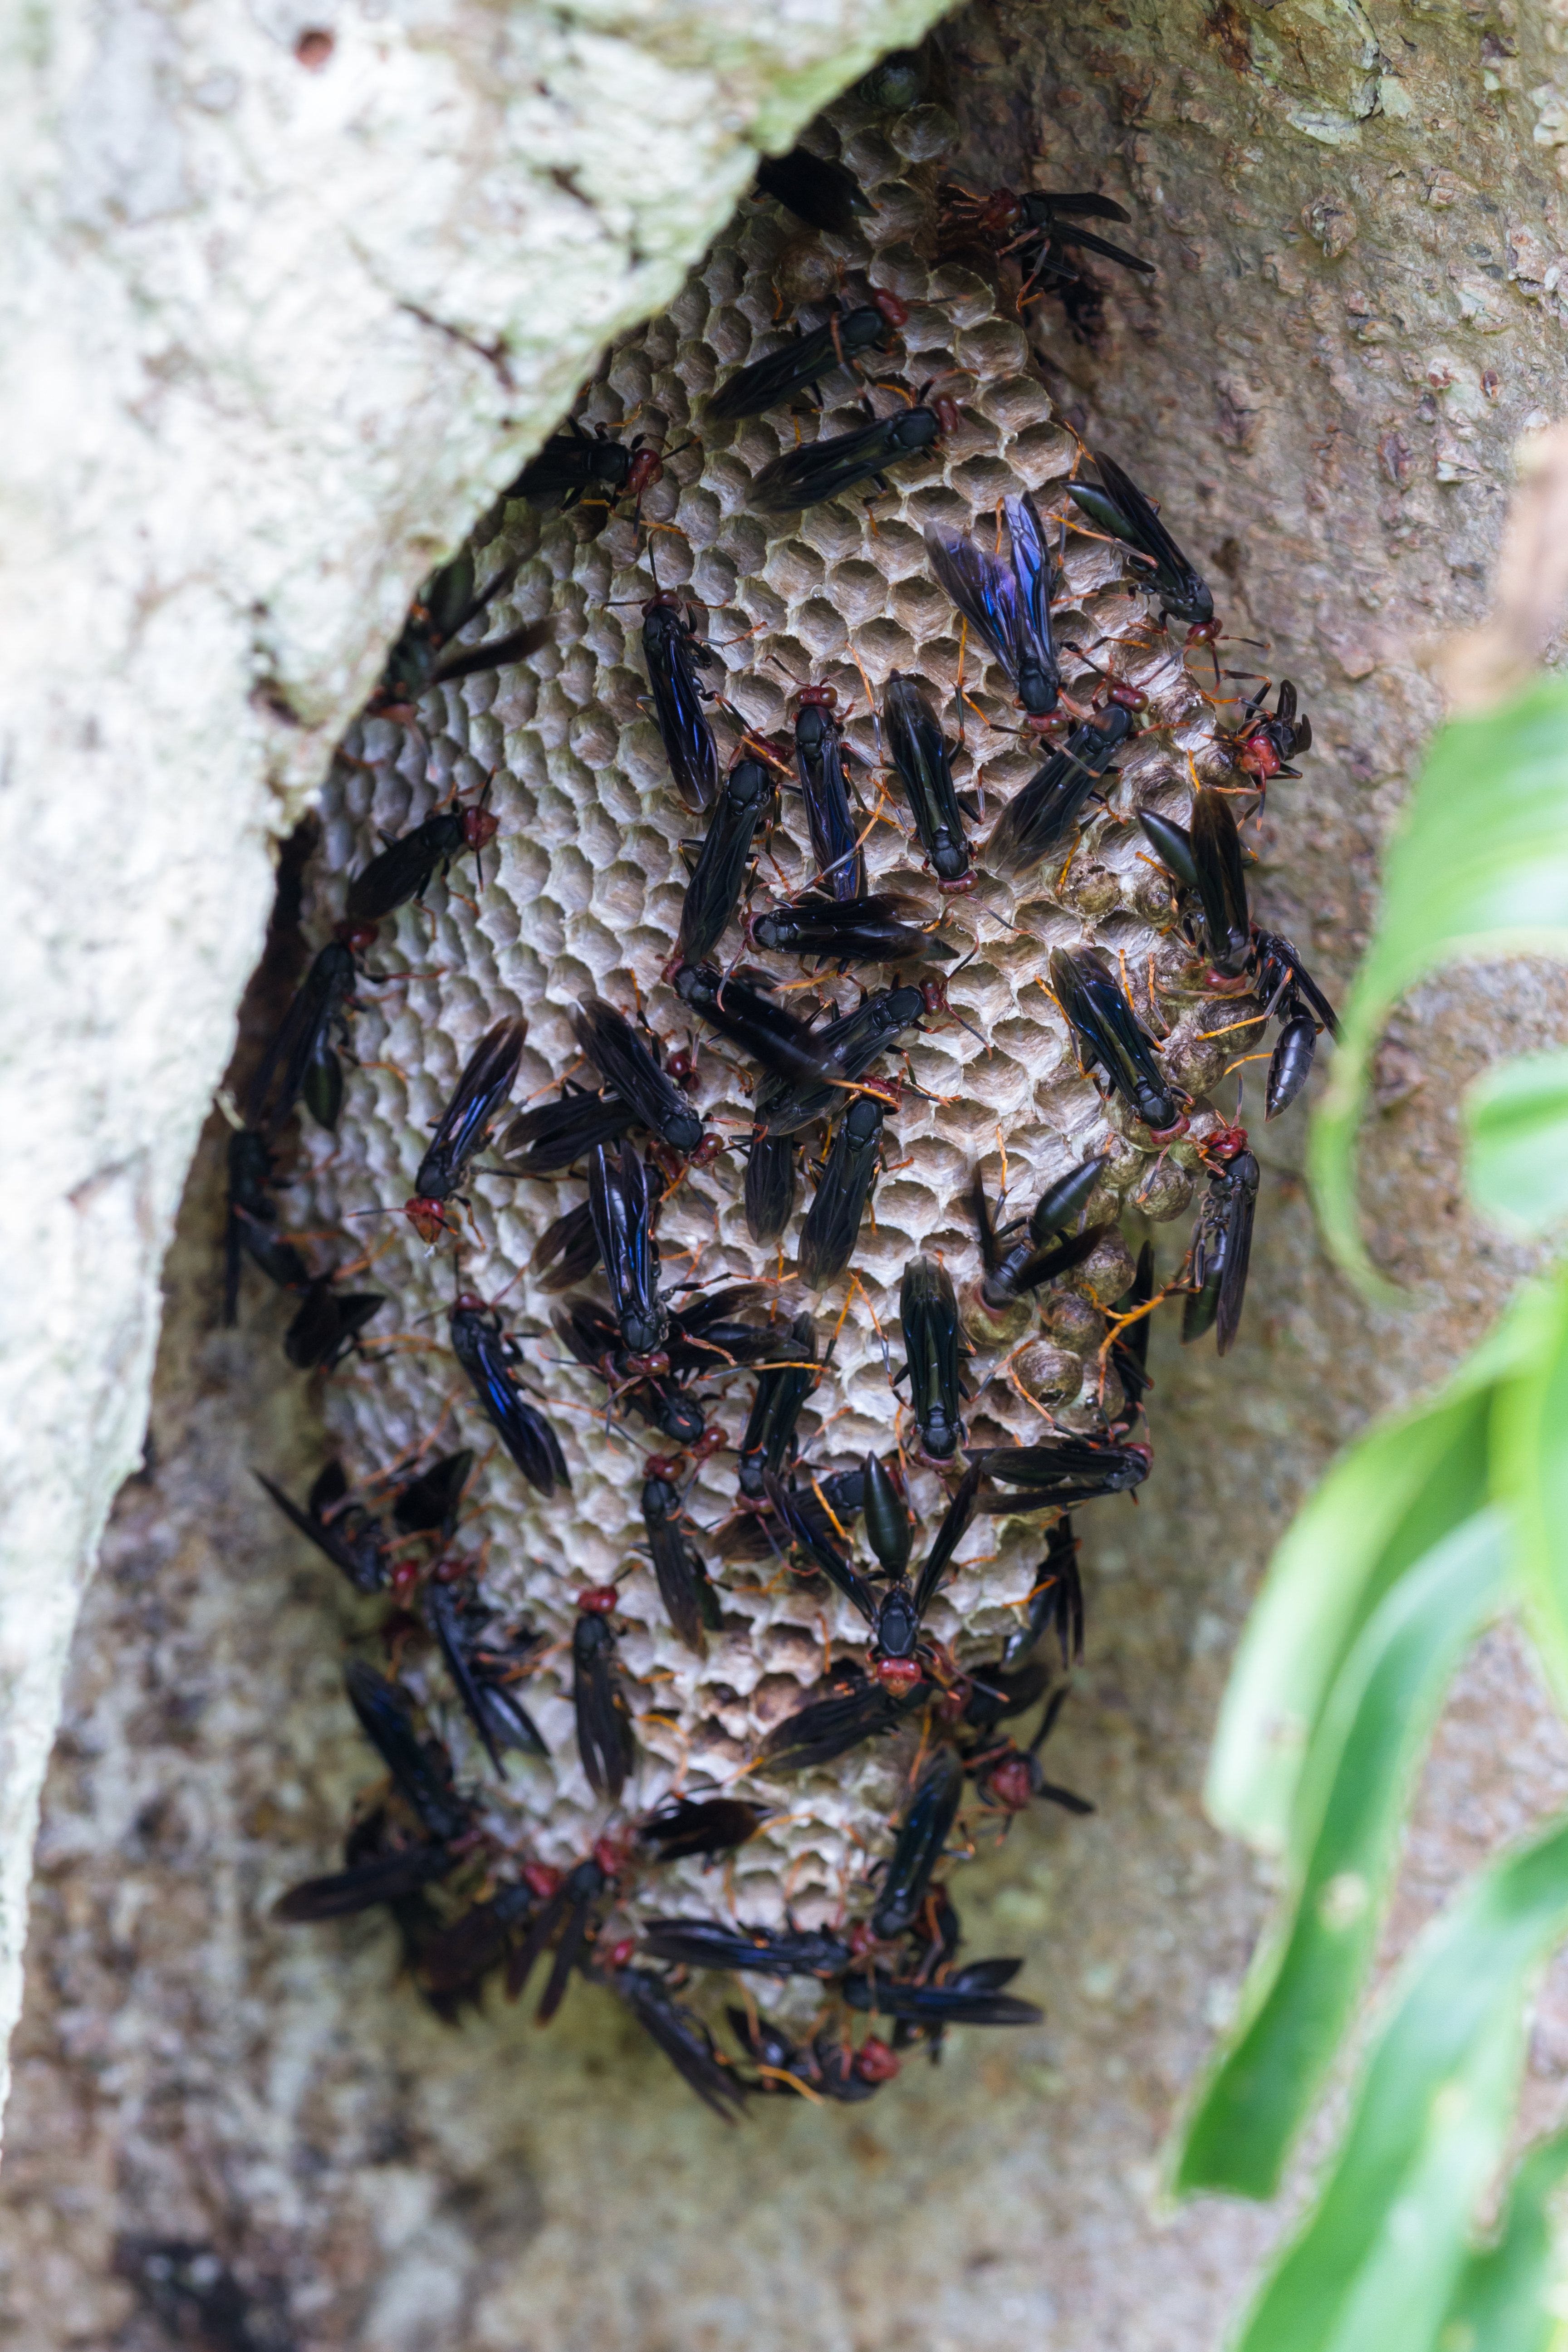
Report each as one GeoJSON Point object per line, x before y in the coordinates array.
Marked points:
{"type": "Point", "coordinates": [1437, 1518]}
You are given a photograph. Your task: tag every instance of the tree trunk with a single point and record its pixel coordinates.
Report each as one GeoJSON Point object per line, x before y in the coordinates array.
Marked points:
{"type": "Point", "coordinates": [1356, 321]}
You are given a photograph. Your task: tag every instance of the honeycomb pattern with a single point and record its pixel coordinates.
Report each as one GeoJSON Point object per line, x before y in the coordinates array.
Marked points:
{"type": "Point", "coordinates": [584, 896]}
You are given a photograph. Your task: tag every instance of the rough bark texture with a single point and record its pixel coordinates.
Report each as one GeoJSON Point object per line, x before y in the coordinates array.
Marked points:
{"type": "Point", "coordinates": [286, 300]}
{"type": "Point", "coordinates": [1313, 380]}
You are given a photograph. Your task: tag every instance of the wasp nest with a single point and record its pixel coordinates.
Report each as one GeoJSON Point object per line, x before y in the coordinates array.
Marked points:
{"type": "Point", "coordinates": [580, 895]}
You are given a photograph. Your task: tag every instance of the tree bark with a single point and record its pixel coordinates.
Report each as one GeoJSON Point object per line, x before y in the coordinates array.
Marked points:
{"type": "Point", "coordinates": [1359, 225]}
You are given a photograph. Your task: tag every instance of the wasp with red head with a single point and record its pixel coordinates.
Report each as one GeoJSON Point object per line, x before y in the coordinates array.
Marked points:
{"type": "Point", "coordinates": [575, 468]}
{"type": "Point", "coordinates": [828, 2067]}
{"type": "Point", "coordinates": [895, 1615]}
{"type": "Point", "coordinates": [1222, 1244]}
{"type": "Point", "coordinates": [404, 870]}
{"type": "Point", "coordinates": [1037, 225]}
{"type": "Point", "coordinates": [464, 1125]}
{"type": "Point", "coordinates": [673, 653]}
{"type": "Point", "coordinates": [567, 1915]}
{"type": "Point", "coordinates": [798, 365]}
{"type": "Point", "coordinates": [1118, 505]}
{"type": "Point", "coordinates": [1266, 742]}
{"type": "Point", "coordinates": [684, 1587]}
{"type": "Point", "coordinates": [819, 753]}
{"type": "Point", "coordinates": [828, 469]}
{"type": "Point", "coordinates": [591, 1339]}
{"type": "Point", "coordinates": [858, 1708]}
{"type": "Point", "coordinates": [1008, 1778]}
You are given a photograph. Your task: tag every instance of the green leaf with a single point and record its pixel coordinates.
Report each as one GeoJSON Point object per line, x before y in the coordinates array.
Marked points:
{"type": "Point", "coordinates": [1530, 1458]}
{"type": "Point", "coordinates": [1499, 2301]}
{"type": "Point", "coordinates": [1479, 868]}
{"type": "Point", "coordinates": [1377, 2263]}
{"type": "Point", "coordinates": [1383, 1504]}
{"type": "Point", "coordinates": [1351, 1799]}
{"type": "Point", "coordinates": [1517, 1122]}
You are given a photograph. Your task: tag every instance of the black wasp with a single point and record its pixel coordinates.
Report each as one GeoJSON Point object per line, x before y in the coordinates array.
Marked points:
{"type": "Point", "coordinates": [1222, 1242]}
{"type": "Point", "coordinates": [488, 1354]}
{"type": "Point", "coordinates": [895, 1615]}
{"type": "Point", "coordinates": [827, 469]}
{"type": "Point", "coordinates": [1120, 507]}
{"type": "Point", "coordinates": [404, 869]}
{"type": "Point", "coordinates": [832, 1222]}
{"type": "Point", "coordinates": [822, 193]}
{"type": "Point", "coordinates": [768, 1441]}
{"type": "Point", "coordinates": [1301, 1008]}
{"type": "Point", "coordinates": [1013, 1268]}
{"type": "Point", "coordinates": [800, 363]}
{"type": "Point", "coordinates": [424, 655]}
{"type": "Point", "coordinates": [689, 1598]}
{"type": "Point", "coordinates": [933, 1347]}
{"type": "Point", "coordinates": [301, 1056]}
{"type": "Point", "coordinates": [713, 892]}
{"type": "Point", "coordinates": [1007, 604]}
{"type": "Point", "coordinates": [923, 765]}
{"type": "Point", "coordinates": [605, 1741]}
{"type": "Point", "coordinates": [1109, 1036]}
{"type": "Point", "coordinates": [632, 1075]}
{"type": "Point", "coordinates": [673, 653]}
{"type": "Point", "coordinates": [251, 1223]}
{"type": "Point", "coordinates": [577, 467]}
{"type": "Point", "coordinates": [488, 1078]}
{"type": "Point", "coordinates": [819, 763]}
{"type": "Point", "coordinates": [1042, 812]}
{"type": "Point", "coordinates": [1057, 1471]}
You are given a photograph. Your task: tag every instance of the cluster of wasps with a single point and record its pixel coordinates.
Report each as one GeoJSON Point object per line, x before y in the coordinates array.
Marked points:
{"type": "Point", "coordinates": [469, 1904]}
